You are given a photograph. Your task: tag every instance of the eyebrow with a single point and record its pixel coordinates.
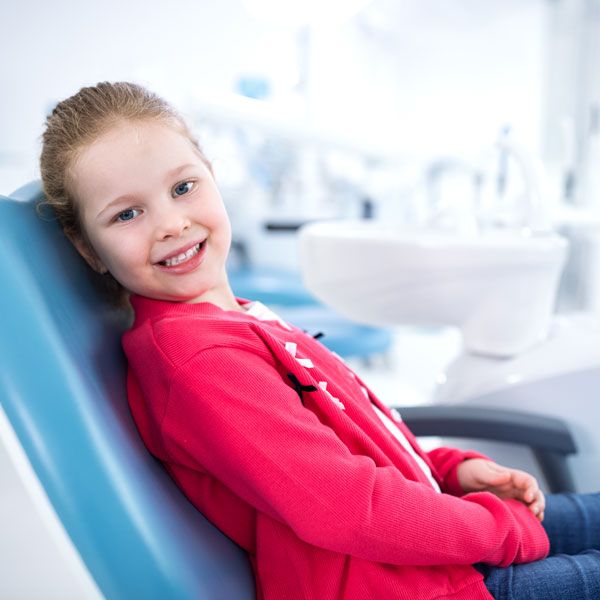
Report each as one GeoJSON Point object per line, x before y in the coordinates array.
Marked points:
{"type": "Point", "coordinates": [170, 174]}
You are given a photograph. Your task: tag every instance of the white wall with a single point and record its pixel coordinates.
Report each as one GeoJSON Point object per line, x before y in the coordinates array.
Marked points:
{"type": "Point", "coordinates": [430, 76]}
{"type": "Point", "coordinates": [441, 76]}
{"type": "Point", "coordinates": [57, 47]}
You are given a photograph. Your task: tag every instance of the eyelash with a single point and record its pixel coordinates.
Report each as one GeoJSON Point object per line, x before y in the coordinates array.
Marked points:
{"type": "Point", "coordinates": [191, 183]}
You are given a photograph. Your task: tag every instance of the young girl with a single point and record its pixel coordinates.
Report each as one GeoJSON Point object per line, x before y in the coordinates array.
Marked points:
{"type": "Point", "coordinates": [269, 434]}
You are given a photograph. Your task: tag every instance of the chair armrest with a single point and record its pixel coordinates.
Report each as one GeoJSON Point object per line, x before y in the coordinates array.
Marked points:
{"type": "Point", "coordinates": [549, 438]}
{"type": "Point", "coordinates": [536, 431]}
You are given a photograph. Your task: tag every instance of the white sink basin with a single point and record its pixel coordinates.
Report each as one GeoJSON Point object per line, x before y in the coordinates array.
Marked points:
{"type": "Point", "coordinates": [499, 288]}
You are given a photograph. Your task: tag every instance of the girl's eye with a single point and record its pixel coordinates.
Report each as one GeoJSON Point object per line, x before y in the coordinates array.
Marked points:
{"type": "Point", "coordinates": [182, 188]}
{"type": "Point", "coordinates": [128, 214]}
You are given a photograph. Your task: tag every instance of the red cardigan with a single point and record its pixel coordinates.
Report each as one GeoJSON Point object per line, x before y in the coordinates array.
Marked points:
{"type": "Point", "coordinates": [274, 440]}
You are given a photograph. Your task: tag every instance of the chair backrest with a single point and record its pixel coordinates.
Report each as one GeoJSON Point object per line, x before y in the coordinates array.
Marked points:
{"type": "Point", "coordinates": [62, 386]}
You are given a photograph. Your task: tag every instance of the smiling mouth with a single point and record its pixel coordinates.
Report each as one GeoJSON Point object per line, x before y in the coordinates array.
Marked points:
{"type": "Point", "coordinates": [183, 257]}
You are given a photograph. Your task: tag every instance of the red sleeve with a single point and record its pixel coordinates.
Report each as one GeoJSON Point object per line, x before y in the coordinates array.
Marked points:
{"type": "Point", "coordinates": [230, 413]}
{"type": "Point", "coordinates": [446, 461]}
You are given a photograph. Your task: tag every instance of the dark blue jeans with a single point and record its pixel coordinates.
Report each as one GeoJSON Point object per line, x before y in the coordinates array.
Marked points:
{"type": "Point", "coordinates": [572, 569]}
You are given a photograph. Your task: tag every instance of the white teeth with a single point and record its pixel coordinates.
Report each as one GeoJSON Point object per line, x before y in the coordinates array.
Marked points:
{"type": "Point", "coordinates": [177, 260]}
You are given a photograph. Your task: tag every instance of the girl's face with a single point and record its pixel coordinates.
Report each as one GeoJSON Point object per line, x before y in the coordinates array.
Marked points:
{"type": "Point", "coordinates": [152, 214]}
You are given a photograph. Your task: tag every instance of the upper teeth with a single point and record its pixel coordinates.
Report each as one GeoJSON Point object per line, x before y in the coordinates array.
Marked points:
{"type": "Point", "coordinates": [177, 260]}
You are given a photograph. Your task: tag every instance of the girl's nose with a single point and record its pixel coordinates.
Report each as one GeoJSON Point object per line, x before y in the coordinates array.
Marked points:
{"type": "Point", "coordinates": [171, 223]}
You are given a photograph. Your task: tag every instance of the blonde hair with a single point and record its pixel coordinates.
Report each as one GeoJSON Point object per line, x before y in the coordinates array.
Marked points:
{"type": "Point", "coordinates": [77, 122]}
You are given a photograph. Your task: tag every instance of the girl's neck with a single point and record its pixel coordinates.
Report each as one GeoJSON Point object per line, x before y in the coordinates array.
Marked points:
{"type": "Point", "coordinates": [222, 297]}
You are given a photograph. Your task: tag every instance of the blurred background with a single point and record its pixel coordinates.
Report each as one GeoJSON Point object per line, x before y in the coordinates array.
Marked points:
{"type": "Point", "coordinates": [387, 109]}
{"type": "Point", "coordinates": [419, 79]}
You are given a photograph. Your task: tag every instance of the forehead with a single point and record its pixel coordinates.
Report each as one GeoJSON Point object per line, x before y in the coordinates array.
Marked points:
{"type": "Point", "coordinates": [132, 143]}
{"type": "Point", "coordinates": [129, 157]}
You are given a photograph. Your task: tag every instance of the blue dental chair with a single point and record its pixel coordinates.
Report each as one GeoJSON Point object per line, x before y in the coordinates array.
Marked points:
{"type": "Point", "coordinates": [62, 391]}
{"type": "Point", "coordinates": [62, 381]}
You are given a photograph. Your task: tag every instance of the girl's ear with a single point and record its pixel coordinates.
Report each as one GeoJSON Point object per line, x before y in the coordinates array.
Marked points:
{"type": "Point", "coordinates": [88, 253]}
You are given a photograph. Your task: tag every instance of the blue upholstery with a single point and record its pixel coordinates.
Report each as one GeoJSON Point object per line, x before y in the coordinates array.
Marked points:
{"type": "Point", "coordinates": [62, 386]}
{"type": "Point", "coordinates": [270, 286]}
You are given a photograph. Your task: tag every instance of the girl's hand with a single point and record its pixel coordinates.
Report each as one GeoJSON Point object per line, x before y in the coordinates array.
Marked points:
{"type": "Point", "coordinates": [480, 475]}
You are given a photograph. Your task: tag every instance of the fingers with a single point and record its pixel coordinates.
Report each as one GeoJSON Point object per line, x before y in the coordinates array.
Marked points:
{"type": "Point", "coordinates": [538, 505]}
{"type": "Point", "coordinates": [527, 485]}
{"type": "Point", "coordinates": [524, 487]}
{"type": "Point", "coordinates": [484, 475]}
{"type": "Point", "coordinates": [532, 496]}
